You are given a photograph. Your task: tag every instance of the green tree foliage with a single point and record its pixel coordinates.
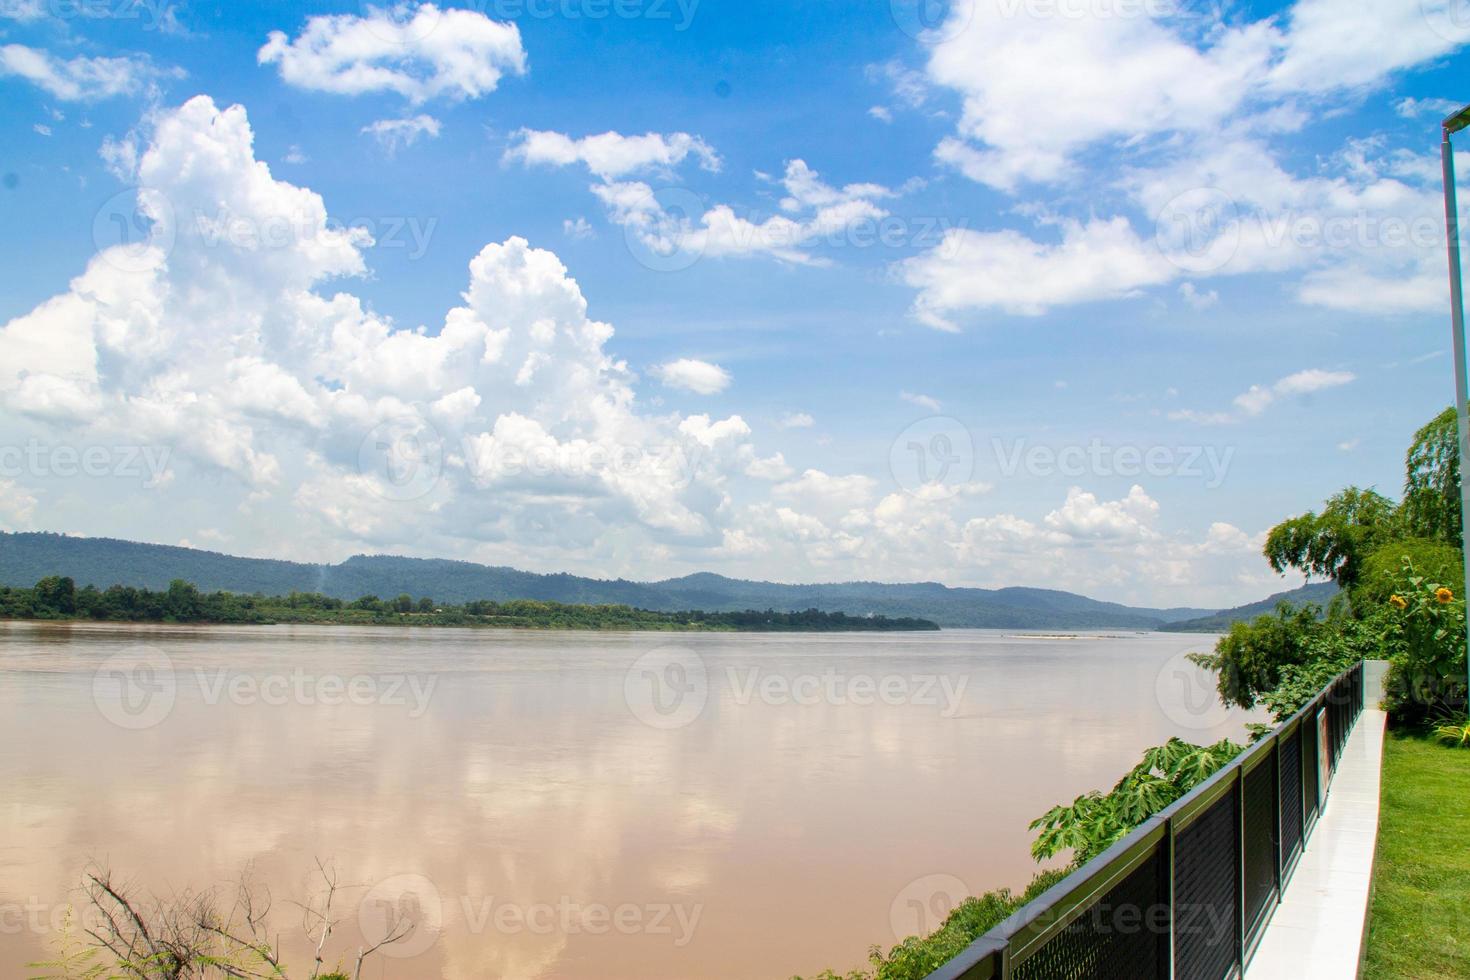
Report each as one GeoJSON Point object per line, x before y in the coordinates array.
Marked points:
{"type": "Point", "coordinates": [58, 598]}
{"type": "Point", "coordinates": [1334, 543]}
{"type": "Point", "coordinates": [1431, 506]}
{"type": "Point", "coordinates": [183, 603]}
{"type": "Point", "coordinates": [1328, 650]}
{"type": "Point", "coordinates": [55, 597]}
{"type": "Point", "coordinates": [1095, 821]}
{"type": "Point", "coordinates": [1248, 660]}
{"type": "Point", "coordinates": [1284, 659]}
{"type": "Point", "coordinates": [918, 956]}
{"type": "Point", "coordinates": [1382, 571]}
{"type": "Point", "coordinates": [76, 958]}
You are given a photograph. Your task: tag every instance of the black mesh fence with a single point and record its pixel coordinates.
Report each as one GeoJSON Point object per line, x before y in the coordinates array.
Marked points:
{"type": "Point", "coordinates": [1198, 880]}
{"type": "Point", "coordinates": [1289, 754]}
{"type": "Point", "coordinates": [1309, 763]}
{"type": "Point", "coordinates": [1259, 793]}
{"type": "Point", "coordinates": [1335, 712]}
{"type": "Point", "coordinates": [1344, 703]}
{"type": "Point", "coordinates": [1206, 903]}
{"type": "Point", "coordinates": [1122, 937]}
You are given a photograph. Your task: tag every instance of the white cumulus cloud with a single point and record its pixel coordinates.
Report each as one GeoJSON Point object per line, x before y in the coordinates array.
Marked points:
{"type": "Point", "coordinates": [1135, 112]}
{"type": "Point", "coordinates": [923, 401]}
{"type": "Point", "coordinates": [318, 414]}
{"type": "Point", "coordinates": [419, 52]}
{"type": "Point", "coordinates": [796, 420]}
{"type": "Point", "coordinates": [79, 78]}
{"type": "Point", "coordinates": [395, 134]}
{"type": "Point", "coordinates": [1008, 272]}
{"type": "Point", "coordinates": [690, 374]}
{"type": "Point", "coordinates": [1256, 399]}
{"type": "Point", "coordinates": [611, 155]}
{"type": "Point", "coordinates": [1198, 299]}
{"type": "Point", "coordinates": [675, 221]}
{"type": "Point", "coordinates": [1083, 515]}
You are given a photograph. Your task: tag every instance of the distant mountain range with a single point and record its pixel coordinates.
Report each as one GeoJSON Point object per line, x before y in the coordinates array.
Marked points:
{"type": "Point", "coordinates": [1319, 592]}
{"type": "Point", "coordinates": [27, 557]}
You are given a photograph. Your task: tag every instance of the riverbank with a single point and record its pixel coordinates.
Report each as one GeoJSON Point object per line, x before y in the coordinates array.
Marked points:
{"type": "Point", "coordinates": [56, 599]}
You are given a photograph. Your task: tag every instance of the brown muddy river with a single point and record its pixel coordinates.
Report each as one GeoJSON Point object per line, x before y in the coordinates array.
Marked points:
{"type": "Point", "coordinates": [571, 805]}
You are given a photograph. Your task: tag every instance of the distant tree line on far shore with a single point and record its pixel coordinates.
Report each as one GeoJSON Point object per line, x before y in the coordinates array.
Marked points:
{"type": "Point", "coordinates": [59, 598]}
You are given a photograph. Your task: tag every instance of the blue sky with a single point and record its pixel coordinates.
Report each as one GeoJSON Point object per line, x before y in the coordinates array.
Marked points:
{"type": "Point", "coordinates": [1204, 235]}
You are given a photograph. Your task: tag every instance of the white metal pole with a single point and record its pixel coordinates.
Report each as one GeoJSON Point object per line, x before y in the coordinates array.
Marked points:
{"type": "Point", "coordinates": [1457, 324]}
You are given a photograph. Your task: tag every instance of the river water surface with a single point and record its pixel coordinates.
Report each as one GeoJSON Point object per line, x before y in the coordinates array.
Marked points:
{"type": "Point", "coordinates": [573, 805]}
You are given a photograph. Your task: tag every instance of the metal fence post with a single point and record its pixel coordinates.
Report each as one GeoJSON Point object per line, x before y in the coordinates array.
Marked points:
{"type": "Point", "coordinates": [1166, 889]}
{"type": "Point", "coordinates": [1240, 924]}
{"type": "Point", "coordinates": [1276, 799]}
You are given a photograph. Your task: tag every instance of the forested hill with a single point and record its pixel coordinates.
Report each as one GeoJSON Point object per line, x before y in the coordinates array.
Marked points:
{"type": "Point", "coordinates": [27, 557]}
{"type": "Point", "coordinates": [1319, 592]}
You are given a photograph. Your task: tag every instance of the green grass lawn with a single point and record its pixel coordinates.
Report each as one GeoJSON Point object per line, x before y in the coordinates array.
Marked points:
{"type": "Point", "coordinates": [1420, 925]}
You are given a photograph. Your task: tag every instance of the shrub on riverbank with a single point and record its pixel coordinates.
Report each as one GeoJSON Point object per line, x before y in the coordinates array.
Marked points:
{"type": "Point", "coordinates": [1093, 822]}
{"type": "Point", "coordinates": [918, 956]}
{"type": "Point", "coordinates": [120, 934]}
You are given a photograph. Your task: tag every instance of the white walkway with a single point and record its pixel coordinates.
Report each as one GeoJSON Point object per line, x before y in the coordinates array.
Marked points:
{"type": "Point", "coordinates": [1317, 931]}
